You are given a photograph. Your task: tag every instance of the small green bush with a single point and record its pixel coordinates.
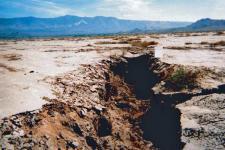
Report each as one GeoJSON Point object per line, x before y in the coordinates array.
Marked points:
{"type": "Point", "coordinates": [182, 79]}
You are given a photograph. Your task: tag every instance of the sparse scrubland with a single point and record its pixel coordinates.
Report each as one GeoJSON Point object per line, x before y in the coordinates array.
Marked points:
{"type": "Point", "coordinates": [132, 41]}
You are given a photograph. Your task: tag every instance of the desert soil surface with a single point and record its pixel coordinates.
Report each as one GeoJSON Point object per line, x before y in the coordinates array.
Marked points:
{"type": "Point", "coordinates": [113, 92]}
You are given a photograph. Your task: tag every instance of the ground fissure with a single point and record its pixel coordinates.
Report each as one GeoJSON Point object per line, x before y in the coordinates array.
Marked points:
{"type": "Point", "coordinates": [113, 107]}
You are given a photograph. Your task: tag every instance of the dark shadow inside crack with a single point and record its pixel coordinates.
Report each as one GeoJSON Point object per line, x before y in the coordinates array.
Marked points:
{"type": "Point", "coordinates": [161, 122]}
{"type": "Point", "coordinates": [161, 125]}
{"type": "Point", "coordinates": [137, 73]}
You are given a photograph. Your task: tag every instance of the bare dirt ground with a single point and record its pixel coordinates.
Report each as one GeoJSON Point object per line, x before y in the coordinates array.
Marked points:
{"type": "Point", "coordinates": [119, 92]}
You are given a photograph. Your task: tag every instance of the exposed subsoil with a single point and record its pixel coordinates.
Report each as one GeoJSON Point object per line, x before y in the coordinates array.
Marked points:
{"type": "Point", "coordinates": [114, 106]}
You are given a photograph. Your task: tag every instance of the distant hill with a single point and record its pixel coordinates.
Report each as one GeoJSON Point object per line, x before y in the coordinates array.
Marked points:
{"type": "Point", "coordinates": [207, 24]}
{"type": "Point", "coordinates": [74, 25]}
{"type": "Point", "coordinates": [202, 25]}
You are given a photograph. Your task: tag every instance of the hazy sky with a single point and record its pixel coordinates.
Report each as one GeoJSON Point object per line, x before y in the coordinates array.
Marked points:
{"type": "Point", "coordinates": [179, 10]}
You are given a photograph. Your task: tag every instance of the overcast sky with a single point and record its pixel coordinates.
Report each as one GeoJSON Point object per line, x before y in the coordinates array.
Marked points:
{"type": "Point", "coordinates": [173, 10]}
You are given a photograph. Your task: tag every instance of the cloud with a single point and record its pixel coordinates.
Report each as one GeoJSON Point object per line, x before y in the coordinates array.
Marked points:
{"type": "Point", "coordinates": [46, 8]}
{"type": "Point", "coordinates": [38, 8]}
{"type": "Point", "coordinates": [129, 9]}
{"type": "Point", "coordinates": [174, 10]}
{"type": "Point", "coordinates": [181, 10]}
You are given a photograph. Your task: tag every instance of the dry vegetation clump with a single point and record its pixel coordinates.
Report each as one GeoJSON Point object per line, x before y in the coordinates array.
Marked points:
{"type": "Point", "coordinates": [144, 44]}
{"type": "Point", "coordinates": [182, 34]}
{"type": "Point", "coordinates": [133, 39]}
{"type": "Point", "coordinates": [178, 47]}
{"type": "Point", "coordinates": [204, 43]}
{"type": "Point", "coordinates": [219, 43]}
{"type": "Point", "coordinates": [123, 42]}
{"type": "Point", "coordinates": [182, 78]}
{"type": "Point", "coordinates": [187, 34]}
{"type": "Point", "coordinates": [195, 34]}
{"type": "Point", "coordinates": [12, 57]}
{"type": "Point", "coordinates": [215, 44]}
{"type": "Point", "coordinates": [11, 69]}
{"type": "Point", "coordinates": [155, 36]}
{"type": "Point", "coordinates": [4, 43]}
{"type": "Point", "coordinates": [105, 42]}
{"type": "Point", "coordinates": [188, 43]}
{"type": "Point", "coordinates": [120, 38]}
{"type": "Point", "coordinates": [129, 40]}
{"type": "Point", "coordinates": [220, 33]}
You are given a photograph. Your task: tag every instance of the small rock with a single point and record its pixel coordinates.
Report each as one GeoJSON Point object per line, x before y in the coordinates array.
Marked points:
{"type": "Point", "coordinates": [61, 136]}
{"type": "Point", "coordinates": [46, 137]}
{"type": "Point", "coordinates": [28, 145]}
{"type": "Point", "coordinates": [18, 133]}
{"type": "Point", "coordinates": [93, 88]}
{"type": "Point", "coordinates": [72, 144]}
{"type": "Point", "coordinates": [83, 112]}
{"type": "Point", "coordinates": [99, 108]}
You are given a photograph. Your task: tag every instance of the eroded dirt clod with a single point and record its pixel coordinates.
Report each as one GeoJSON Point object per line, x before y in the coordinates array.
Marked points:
{"type": "Point", "coordinates": [74, 127]}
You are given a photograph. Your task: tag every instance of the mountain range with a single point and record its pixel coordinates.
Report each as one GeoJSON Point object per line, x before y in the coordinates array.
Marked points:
{"type": "Point", "coordinates": [74, 25]}
{"type": "Point", "coordinates": [202, 25]}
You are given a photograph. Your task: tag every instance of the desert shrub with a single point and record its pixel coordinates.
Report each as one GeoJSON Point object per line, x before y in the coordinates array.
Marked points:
{"type": "Point", "coordinates": [4, 43]}
{"type": "Point", "coordinates": [178, 47]}
{"type": "Point", "coordinates": [133, 39]}
{"type": "Point", "coordinates": [188, 43]}
{"type": "Point", "coordinates": [204, 43]}
{"type": "Point", "coordinates": [155, 36]}
{"type": "Point", "coordinates": [219, 33]}
{"type": "Point", "coordinates": [143, 44]}
{"type": "Point", "coordinates": [187, 34]}
{"type": "Point", "coordinates": [105, 42]}
{"type": "Point", "coordinates": [123, 42]}
{"type": "Point", "coordinates": [112, 42]}
{"type": "Point", "coordinates": [182, 79]}
{"type": "Point", "coordinates": [219, 43]}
